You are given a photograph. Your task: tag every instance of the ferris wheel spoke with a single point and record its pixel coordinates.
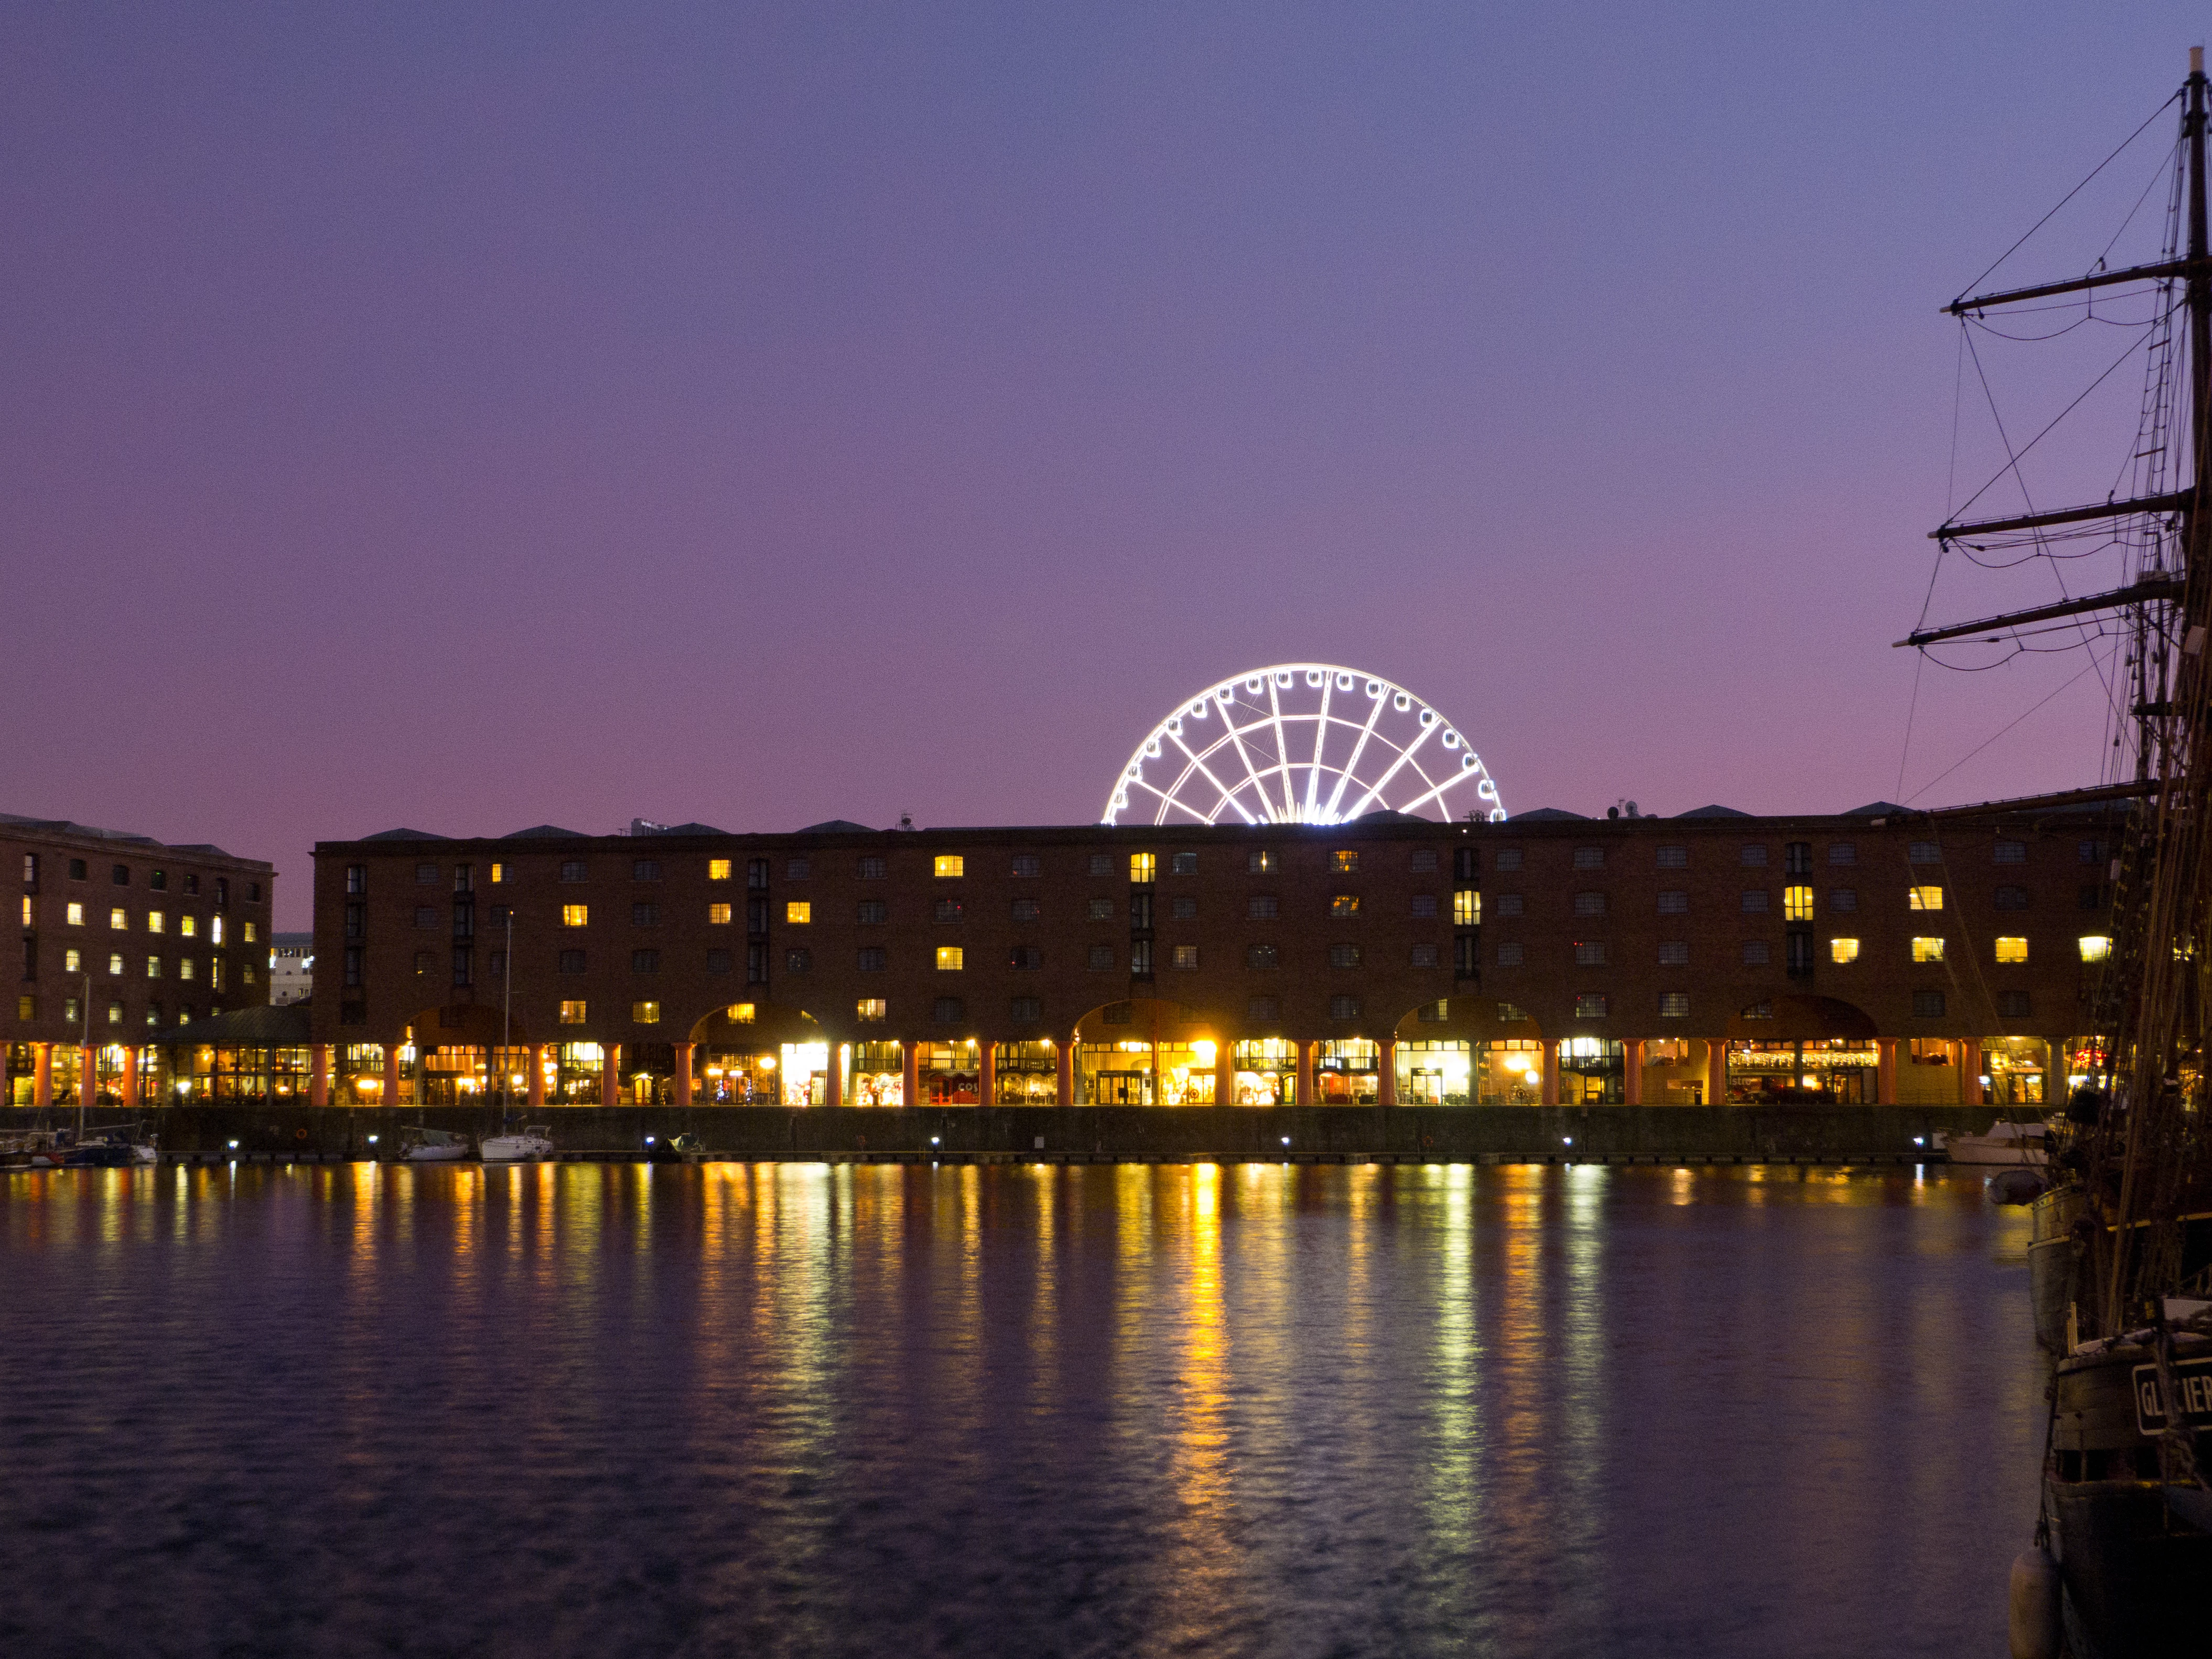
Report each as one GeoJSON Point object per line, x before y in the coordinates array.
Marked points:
{"type": "Point", "coordinates": [1465, 774]}
{"type": "Point", "coordinates": [1321, 746]}
{"type": "Point", "coordinates": [1351, 766]}
{"type": "Point", "coordinates": [1167, 800]}
{"type": "Point", "coordinates": [1198, 763]}
{"type": "Point", "coordinates": [1282, 751]}
{"type": "Point", "coordinates": [1375, 789]}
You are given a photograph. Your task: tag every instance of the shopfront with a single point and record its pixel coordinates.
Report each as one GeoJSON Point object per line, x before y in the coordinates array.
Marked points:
{"type": "Point", "coordinates": [1592, 1072]}
{"type": "Point", "coordinates": [1509, 1072]}
{"type": "Point", "coordinates": [1435, 1073]}
{"type": "Point", "coordinates": [1929, 1072]}
{"type": "Point", "coordinates": [357, 1074]}
{"type": "Point", "coordinates": [878, 1077]}
{"type": "Point", "coordinates": [948, 1073]}
{"type": "Point", "coordinates": [1837, 1071]}
{"type": "Point", "coordinates": [1266, 1072]}
{"type": "Point", "coordinates": [1675, 1071]}
{"type": "Point", "coordinates": [1028, 1073]}
{"type": "Point", "coordinates": [2014, 1069]}
{"type": "Point", "coordinates": [1348, 1072]}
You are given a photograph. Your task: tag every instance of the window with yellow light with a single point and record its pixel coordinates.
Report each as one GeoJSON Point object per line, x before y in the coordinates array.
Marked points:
{"type": "Point", "coordinates": [1924, 898]}
{"type": "Point", "coordinates": [799, 911]}
{"type": "Point", "coordinates": [2096, 947]}
{"type": "Point", "coordinates": [575, 916]}
{"type": "Point", "coordinates": [951, 958]}
{"type": "Point", "coordinates": [1796, 904]}
{"type": "Point", "coordinates": [870, 1009]}
{"type": "Point", "coordinates": [1843, 949]}
{"type": "Point", "coordinates": [2012, 950]}
{"type": "Point", "coordinates": [718, 869]}
{"type": "Point", "coordinates": [1467, 908]}
{"type": "Point", "coordinates": [1928, 950]}
{"type": "Point", "coordinates": [949, 865]}
{"type": "Point", "coordinates": [572, 1013]}
{"type": "Point", "coordinates": [718, 916]}
{"type": "Point", "coordinates": [1141, 866]}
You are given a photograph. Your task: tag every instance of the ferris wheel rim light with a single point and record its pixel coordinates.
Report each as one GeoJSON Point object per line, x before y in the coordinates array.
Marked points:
{"type": "Point", "coordinates": [1298, 757]}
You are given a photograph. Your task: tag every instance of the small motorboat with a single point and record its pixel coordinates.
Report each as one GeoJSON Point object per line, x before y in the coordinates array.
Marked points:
{"type": "Point", "coordinates": [433, 1146]}
{"type": "Point", "coordinates": [686, 1148]}
{"type": "Point", "coordinates": [532, 1146]}
{"type": "Point", "coordinates": [2003, 1142]}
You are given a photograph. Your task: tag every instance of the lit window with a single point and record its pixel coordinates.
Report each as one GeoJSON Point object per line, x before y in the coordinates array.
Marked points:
{"type": "Point", "coordinates": [951, 864]}
{"type": "Point", "coordinates": [156, 922]}
{"type": "Point", "coordinates": [119, 920]}
{"type": "Point", "coordinates": [1796, 904]}
{"type": "Point", "coordinates": [1344, 904]}
{"type": "Point", "coordinates": [1924, 898]}
{"type": "Point", "coordinates": [575, 916]}
{"type": "Point", "coordinates": [1467, 908]}
{"type": "Point", "coordinates": [498, 873]}
{"type": "Point", "coordinates": [1262, 861]}
{"type": "Point", "coordinates": [718, 916]}
{"type": "Point", "coordinates": [645, 1013]}
{"type": "Point", "coordinates": [799, 911]}
{"type": "Point", "coordinates": [2012, 950]}
{"type": "Point", "coordinates": [188, 926]}
{"type": "Point", "coordinates": [71, 962]}
{"type": "Point", "coordinates": [1844, 950]}
{"type": "Point", "coordinates": [1590, 1005]}
{"type": "Point", "coordinates": [1928, 950]}
{"type": "Point", "coordinates": [1673, 1004]}
{"type": "Point", "coordinates": [1343, 862]}
{"type": "Point", "coordinates": [115, 1013]}
{"type": "Point", "coordinates": [2096, 947]}
{"type": "Point", "coordinates": [872, 1011]}
{"type": "Point", "coordinates": [249, 933]}
{"type": "Point", "coordinates": [76, 915]}
{"type": "Point", "coordinates": [717, 870]}
{"type": "Point", "coordinates": [153, 968]}
{"type": "Point", "coordinates": [214, 930]}
{"type": "Point", "coordinates": [741, 1014]}
{"type": "Point", "coordinates": [1140, 868]}
{"type": "Point", "coordinates": [1186, 955]}
{"type": "Point", "coordinates": [572, 1013]}
{"type": "Point", "coordinates": [951, 958]}
{"type": "Point", "coordinates": [30, 911]}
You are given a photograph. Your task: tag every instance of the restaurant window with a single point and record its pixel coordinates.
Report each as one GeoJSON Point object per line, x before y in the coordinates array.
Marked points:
{"type": "Point", "coordinates": [1754, 852]}
{"type": "Point", "coordinates": [872, 1011]}
{"type": "Point", "coordinates": [718, 916]}
{"type": "Point", "coordinates": [1262, 861]}
{"type": "Point", "coordinates": [799, 912]}
{"type": "Point", "coordinates": [1843, 852]}
{"type": "Point", "coordinates": [1842, 898]}
{"type": "Point", "coordinates": [572, 962]}
{"type": "Point", "coordinates": [1184, 863]}
{"type": "Point", "coordinates": [948, 865]}
{"type": "Point", "coordinates": [1344, 905]}
{"type": "Point", "coordinates": [1422, 956]}
{"type": "Point", "coordinates": [1924, 852]}
{"type": "Point", "coordinates": [2095, 947]}
{"type": "Point", "coordinates": [1026, 864]}
{"type": "Point", "coordinates": [719, 869]}
{"type": "Point", "coordinates": [797, 869]}
{"type": "Point", "coordinates": [2012, 950]}
{"type": "Point", "coordinates": [1674, 858]}
{"type": "Point", "coordinates": [1590, 1005]}
{"type": "Point", "coordinates": [1590, 953]}
{"type": "Point", "coordinates": [1344, 956]}
{"type": "Point", "coordinates": [1261, 907]}
{"type": "Point", "coordinates": [1928, 1005]}
{"type": "Point", "coordinates": [1467, 908]}
{"type": "Point", "coordinates": [874, 867]}
{"type": "Point", "coordinates": [1928, 950]}
{"type": "Point", "coordinates": [873, 913]}
{"type": "Point", "coordinates": [1344, 861]}
{"type": "Point", "coordinates": [1262, 957]}
{"type": "Point", "coordinates": [948, 1010]}
{"type": "Point", "coordinates": [1590, 858]}
{"type": "Point", "coordinates": [645, 1013]}
{"type": "Point", "coordinates": [1343, 1007]}
{"type": "Point", "coordinates": [1263, 1010]}
{"type": "Point", "coordinates": [645, 961]}
{"type": "Point", "coordinates": [1101, 959]}
{"type": "Point", "coordinates": [1424, 904]}
{"type": "Point", "coordinates": [1512, 955]}
{"type": "Point", "coordinates": [2009, 898]}
{"type": "Point", "coordinates": [1754, 901]}
{"type": "Point", "coordinates": [645, 870]}
{"type": "Point", "coordinates": [1924, 898]}
{"type": "Point", "coordinates": [1798, 904]}
{"type": "Point", "coordinates": [874, 958]}
{"type": "Point", "coordinates": [1509, 858]}
{"type": "Point", "coordinates": [1757, 953]}
{"type": "Point", "coordinates": [574, 869]}
{"type": "Point", "coordinates": [1185, 958]}
{"type": "Point", "coordinates": [1674, 903]}
{"type": "Point", "coordinates": [1423, 861]}
{"type": "Point", "coordinates": [575, 916]}
{"type": "Point", "coordinates": [1843, 949]}
{"type": "Point", "coordinates": [951, 958]}
{"type": "Point", "coordinates": [1673, 1004]}
{"type": "Point", "coordinates": [1675, 953]}
{"type": "Point", "coordinates": [2013, 1004]}
{"type": "Point", "coordinates": [798, 959]}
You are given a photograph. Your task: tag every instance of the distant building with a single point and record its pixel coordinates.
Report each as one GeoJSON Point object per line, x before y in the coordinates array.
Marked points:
{"type": "Point", "coordinates": [291, 968]}
{"type": "Point", "coordinates": [124, 939]}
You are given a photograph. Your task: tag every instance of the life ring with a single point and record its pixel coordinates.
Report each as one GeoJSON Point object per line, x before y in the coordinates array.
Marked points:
{"type": "Point", "coordinates": [299, 1134]}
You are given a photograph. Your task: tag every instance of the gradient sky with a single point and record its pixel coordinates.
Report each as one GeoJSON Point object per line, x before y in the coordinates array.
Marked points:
{"type": "Point", "coordinates": [470, 416]}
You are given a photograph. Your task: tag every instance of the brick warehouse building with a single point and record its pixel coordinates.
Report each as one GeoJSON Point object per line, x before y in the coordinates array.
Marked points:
{"type": "Point", "coordinates": [1875, 956]}
{"type": "Point", "coordinates": [124, 942]}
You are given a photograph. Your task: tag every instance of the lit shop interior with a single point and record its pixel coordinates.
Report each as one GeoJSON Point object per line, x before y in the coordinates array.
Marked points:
{"type": "Point", "coordinates": [113, 1075]}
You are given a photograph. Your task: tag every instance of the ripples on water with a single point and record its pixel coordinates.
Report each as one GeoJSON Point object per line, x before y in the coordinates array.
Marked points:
{"type": "Point", "coordinates": [792, 1409]}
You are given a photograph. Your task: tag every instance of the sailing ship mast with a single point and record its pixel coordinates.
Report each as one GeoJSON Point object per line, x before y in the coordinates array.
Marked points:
{"type": "Point", "coordinates": [2152, 994]}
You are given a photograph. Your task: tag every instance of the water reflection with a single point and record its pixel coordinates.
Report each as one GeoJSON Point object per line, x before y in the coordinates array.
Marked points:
{"type": "Point", "coordinates": [793, 1408]}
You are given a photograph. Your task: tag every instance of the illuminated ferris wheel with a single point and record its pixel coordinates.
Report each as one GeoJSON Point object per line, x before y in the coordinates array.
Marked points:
{"type": "Point", "coordinates": [1302, 742]}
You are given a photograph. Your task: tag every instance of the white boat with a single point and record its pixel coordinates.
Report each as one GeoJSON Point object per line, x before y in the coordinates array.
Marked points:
{"type": "Point", "coordinates": [533, 1145]}
{"type": "Point", "coordinates": [434, 1147]}
{"type": "Point", "coordinates": [2003, 1142]}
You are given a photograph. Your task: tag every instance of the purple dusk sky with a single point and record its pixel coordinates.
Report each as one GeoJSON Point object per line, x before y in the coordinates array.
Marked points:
{"type": "Point", "coordinates": [470, 416]}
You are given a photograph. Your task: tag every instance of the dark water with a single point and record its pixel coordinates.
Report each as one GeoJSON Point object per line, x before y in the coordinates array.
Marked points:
{"type": "Point", "coordinates": [789, 1409]}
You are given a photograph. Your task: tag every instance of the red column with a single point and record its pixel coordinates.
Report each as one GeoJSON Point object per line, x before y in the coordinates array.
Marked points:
{"type": "Point", "coordinates": [833, 1093]}
{"type": "Point", "coordinates": [1631, 1072]}
{"type": "Point", "coordinates": [1225, 1074]}
{"type": "Point", "coordinates": [910, 1057]}
{"type": "Point", "coordinates": [1067, 1056]}
{"type": "Point", "coordinates": [1717, 1072]}
{"type": "Point", "coordinates": [536, 1063]}
{"type": "Point", "coordinates": [1551, 1070]}
{"type": "Point", "coordinates": [683, 1074]}
{"type": "Point", "coordinates": [1308, 1059]}
{"type": "Point", "coordinates": [1884, 1072]}
{"type": "Point", "coordinates": [131, 1077]}
{"type": "Point", "coordinates": [1386, 1080]}
{"type": "Point", "coordinates": [987, 1074]}
{"type": "Point", "coordinates": [87, 1077]}
{"type": "Point", "coordinates": [319, 1082]}
{"type": "Point", "coordinates": [610, 1074]}
{"type": "Point", "coordinates": [1970, 1072]}
{"type": "Point", "coordinates": [392, 1074]}
{"type": "Point", "coordinates": [42, 1085]}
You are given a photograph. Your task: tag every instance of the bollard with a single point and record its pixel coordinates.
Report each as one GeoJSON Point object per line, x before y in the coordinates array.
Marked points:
{"type": "Point", "coordinates": [2034, 1624]}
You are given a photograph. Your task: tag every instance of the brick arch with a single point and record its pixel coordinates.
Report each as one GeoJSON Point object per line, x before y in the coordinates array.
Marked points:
{"type": "Point", "coordinates": [468, 1025]}
{"type": "Point", "coordinates": [1175, 1022]}
{"type": "Point", "coordinates": [1799, 1017]}
{"type": "Point", "coordinates": [1469, 1019]}
{"type": "Point", "coordinates": [772, 1024]}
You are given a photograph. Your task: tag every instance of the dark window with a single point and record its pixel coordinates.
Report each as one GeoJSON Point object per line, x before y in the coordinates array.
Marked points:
{"type": "Point", "coordinates": [756, 916]}
{"type": "Point", "coordinates": [873, 959]}
{"type": "Point", "coordinates": [645, 961]}
{"type": "Point", "coordinates": [497, 962]}
{"type": "Point", "coordinates": [1464, 946]}
{"type": "Point", "coordinates": [574, 869]}
{"type": "Point", "coordinates": [76, 870]}
{"type": "Point", "coordinates": [465, 919]}
{"type": "Point", "coordinates": [426, 875]}
{"type": "Point", "coordinates": [1262, 907]}
{"type": "Point", "coordinates": [718, 962]}
{"type": "Point", "coordinates": [1101, 864]}
{"type": "Point", "coordinates": [353, 954]}
{"type": "Point", "coordinates": [1590, 1005]}
{"type": "Point", "coordinates": [421, 964]}
{"type": "Point", "coordinates": [1140, 958]}
{"type": "Point", "coordinates": [1118, 1013]}
{"type": "Point", "coordinates": [253, 892]}
{"type": "Point", "coordinates": [1025, 956]}
{"type": "Point", "coordinates": [645, 915]}
{"type": "Point", "coordinates": [1184, 864]}
{"type": "Point", "coordinates": [30, 957]}
{"type": "Point", "coordinates": [1423, 862]}
{"type": "Point", "coordinates": [122, 874]}
{"type": "Point", "coordinates": [1183, 909]}
{"type": "Point", "coordinates": [1797, 857]}
{"type": "Point", "coordinates": [798, 959]}
{"type": "Point", "coordinates": [465, 877]}
{"type": "Point", "coordinates": [1842, 898]}
{"type": "Point", "coordinates": [2012, 852]}
{"type": "Point", "coordinates": [426, 916]}
{"type": "Point", "coordinates": [1344, 956]}
{"type": "Point", "coordinates": [1262, 956]}
{"type": "Point", "coordinates": [2013, 1004]}
{"type": "Point", "coordinates": [572, 962]}
{"type": "Point", "coordinates": [159, 881]}
{"type": "Point", "coordinates": [223, 892]}
{"type": "Point", "coordinates": [1798, 955]}
{"type": "Point", "coordinates": [1264, 1010]}
{"type": "Point", "coordinates": [756, 874]}
{"type": "Point", "coordinates": [2092, 896]}
{"type": "Point", "coordinates": [356, 879]}
{"type": "Point", "coordinates": [463, 967]}
{"type": "Point", "coordinates": [756, 963]}
{"type": "Point", "coordinates": [948, 1010]}
{"type": "Point", "coordinates": [645, 870]}
{"type": "Point", "coordinates": [1027, 910]}
{"type": "Point", "coordinates": [353, 1013]}
{"type": "Point", "coordinates": [1102, 909]}
{"type": "Point", "coordinates": [500, 913]}
{"type": "Point", "coordinates": [1140, 911]}
{"type": "Point", "coordinates": [1101, 957]}
{"type": "Point", "coordinates": [1928, 1005]}
{"type": "Point", "coordinates": [357, 920]}
{"type": "Point", "coordinates": [1433, 1012]}
{"type": "Point", "coordinates": [948, 909]}
{"type": "Point", "coordinates": [2010, 898]}
{"type": "Point", "coordinates": [873, 868]}
{"type": "Point", "coordinates": [873, 913]}
{"type": "Point", "coordinates": [1424, 955]}
{"type": "Point", "coordinates": [1344, 1008]}
{"type": "Point", "coordinates": [1026, 864]}
{"type": "Point", "coordinates": [1464, 864]}
{"type": "Point", "coordinates": [192, 891]}
{"type": "Point", "coordinates": [1025, 1010]}
{"type": "Point", "coordinates": [2089, 851]}
{"type": "Point", "coordinates": [797, 869]}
